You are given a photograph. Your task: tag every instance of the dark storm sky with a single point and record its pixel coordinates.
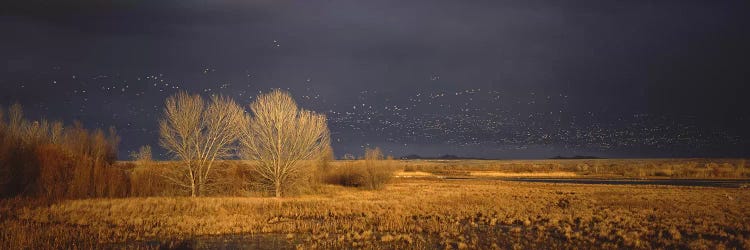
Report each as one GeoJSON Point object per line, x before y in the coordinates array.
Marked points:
{"type": "Point", "coordinates": [496, 79]}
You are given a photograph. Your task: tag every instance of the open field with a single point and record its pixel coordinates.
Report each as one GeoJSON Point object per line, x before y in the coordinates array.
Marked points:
{"type": "Point", "coordinates": [409, 213]}
{"type": "Point", "coordinates": [591, 168]}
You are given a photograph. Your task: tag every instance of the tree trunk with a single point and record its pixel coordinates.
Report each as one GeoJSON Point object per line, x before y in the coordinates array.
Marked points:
{"type": "Point", "coordinates": [199, 186]}
{"type": "Point", "coordinates": [278, 189]}
{"type": "Point", "coordinates": [192, 188]}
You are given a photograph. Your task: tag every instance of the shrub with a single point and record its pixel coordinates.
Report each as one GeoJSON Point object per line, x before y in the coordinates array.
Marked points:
{"type": "Point", "coordinates": [372, 173]}
{"type": "Point", "coordinates": [377, 171]}
{"type": "Point", "coordinates": [348, 175]}
{"type": "Point", "coordinates": [229, 179]}
{"type": "Point", "coordinates": [42, 159]}
{"type": "Point", "coordinates": [146, 180]}
{"type": "Point", "coordinates": [54, 174]}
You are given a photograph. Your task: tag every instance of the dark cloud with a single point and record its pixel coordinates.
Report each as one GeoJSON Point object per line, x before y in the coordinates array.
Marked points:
{"type": "Point", "coordinates": [612, 58]}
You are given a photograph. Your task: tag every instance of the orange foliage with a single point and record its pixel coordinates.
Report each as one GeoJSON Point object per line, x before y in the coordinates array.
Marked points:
{"type": "Point", "coordinates": [47, 160]}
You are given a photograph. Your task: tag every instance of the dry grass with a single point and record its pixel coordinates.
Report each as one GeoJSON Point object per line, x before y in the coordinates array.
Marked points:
{"type": "Point", "coordinates": [410, 213]}
{"type": "Point", "coordinates": [606, 168]}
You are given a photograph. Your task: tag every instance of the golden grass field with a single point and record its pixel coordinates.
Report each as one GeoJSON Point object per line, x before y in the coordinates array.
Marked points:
{"type": "Point", "coordinates": [416, 211]}
{"type": "Point", "coordinates": [597, 168]}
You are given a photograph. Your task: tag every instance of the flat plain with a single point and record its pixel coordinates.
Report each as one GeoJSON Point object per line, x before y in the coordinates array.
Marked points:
{"type": "Point", "coordinates": [420, 208]}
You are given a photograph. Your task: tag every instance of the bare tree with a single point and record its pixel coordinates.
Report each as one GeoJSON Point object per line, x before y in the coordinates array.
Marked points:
{"type": "Point", "coordinates": [197, 134]}
{"type": "Point", "coordinates": [280, 136]}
